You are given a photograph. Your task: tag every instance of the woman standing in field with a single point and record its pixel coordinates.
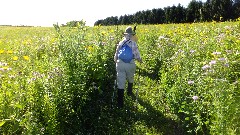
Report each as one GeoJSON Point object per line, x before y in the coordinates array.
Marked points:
{"type": "Point", "coordinates": [126, 67]}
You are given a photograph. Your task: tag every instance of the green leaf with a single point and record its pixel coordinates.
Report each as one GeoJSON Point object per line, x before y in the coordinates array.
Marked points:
{"type": "Point", "coordinates": [19, 106]}
{"type": "Point", "coordinates": [183, 103]}
{"type": "Point", "coordinates": [187, 118]}
{"type": "Point", "coordinates": [2, 123]}
{"type": "Point", "coordinates": [206, 122]}
{"type": "Point", "coordinates": [180, 111]}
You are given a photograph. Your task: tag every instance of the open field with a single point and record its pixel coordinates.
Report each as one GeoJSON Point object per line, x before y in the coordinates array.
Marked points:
{"type": "Point", "coordinates": [61, 80]}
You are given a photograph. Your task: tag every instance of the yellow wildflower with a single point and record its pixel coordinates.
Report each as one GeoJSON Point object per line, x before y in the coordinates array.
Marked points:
{"type": "Point", "coordinates": [9, 51]}
{"type": "Point", "coordinates": [90, 48]}
{"type": "Point", "coordinates": [26, 58]}
{"type": "Point", "coordinates": [5, 68]}
{"type": "Point", "coordinates": [104, 32]}
{"type": "Point", "coordinates": [1, 51]}
{"type": "Point", "coordinates": [15, 58]}
{"type": "Point", "coordinates": [238, 40]}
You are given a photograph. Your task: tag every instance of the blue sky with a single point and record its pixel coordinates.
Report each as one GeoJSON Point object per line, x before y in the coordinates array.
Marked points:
{"type": "Point", "coordinates": [49, 12]}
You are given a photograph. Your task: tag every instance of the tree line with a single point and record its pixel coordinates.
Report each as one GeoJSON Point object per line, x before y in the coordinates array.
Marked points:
{"type": "Point", "coordinates": [196, 11]}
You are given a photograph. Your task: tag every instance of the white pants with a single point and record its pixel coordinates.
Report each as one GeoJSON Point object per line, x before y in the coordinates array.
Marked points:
{"type": "Point", "coordinates": [125, 71]}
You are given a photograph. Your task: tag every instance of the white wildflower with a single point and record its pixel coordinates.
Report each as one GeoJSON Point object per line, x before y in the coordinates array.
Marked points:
{"type": "Point", "coordinates": [95, 87]}
{"type": "Point", "coordinates": [216, 53]}
{"type": "Point", "coordinates": [192, 51]}
{"type": "Point", "coordinates": [229, 51]}
{"type": "Point", "coordinates": [93, 83]}
{"type": "Point", "coordinates": [195, 98]}
{"type": "Point", "coordinates": [190, 82]}
{"type": "Point", "coordinates": [163, 37]}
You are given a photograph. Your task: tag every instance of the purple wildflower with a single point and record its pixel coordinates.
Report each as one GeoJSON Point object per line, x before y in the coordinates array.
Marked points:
{"type": "Point", "coordinates": [212, 62]}
{"type": "Point", "coordinates": [226, 65]}
{"type": "Point", "coordinates": [205, 67]}
{"type": "Point", "coordinates": [221, 59]}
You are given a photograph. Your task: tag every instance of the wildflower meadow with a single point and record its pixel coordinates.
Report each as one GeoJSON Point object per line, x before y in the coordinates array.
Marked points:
{"type": "Point", "coordinates": [61, 80]}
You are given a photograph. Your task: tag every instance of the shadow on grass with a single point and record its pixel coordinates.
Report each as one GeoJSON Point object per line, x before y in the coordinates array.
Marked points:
{"type": "Point", "coordinates": [112, 120]}
{"type": "Point", "coordinates": [97, 116]}
{"type": "Point", "coordinates": [147, 116]}
{"type": "Point", "coordinates": [155, 119]}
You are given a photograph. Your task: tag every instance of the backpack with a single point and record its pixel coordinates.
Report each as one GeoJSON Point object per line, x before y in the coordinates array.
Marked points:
{"type": "Point", "coordinates": [125, 53]}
